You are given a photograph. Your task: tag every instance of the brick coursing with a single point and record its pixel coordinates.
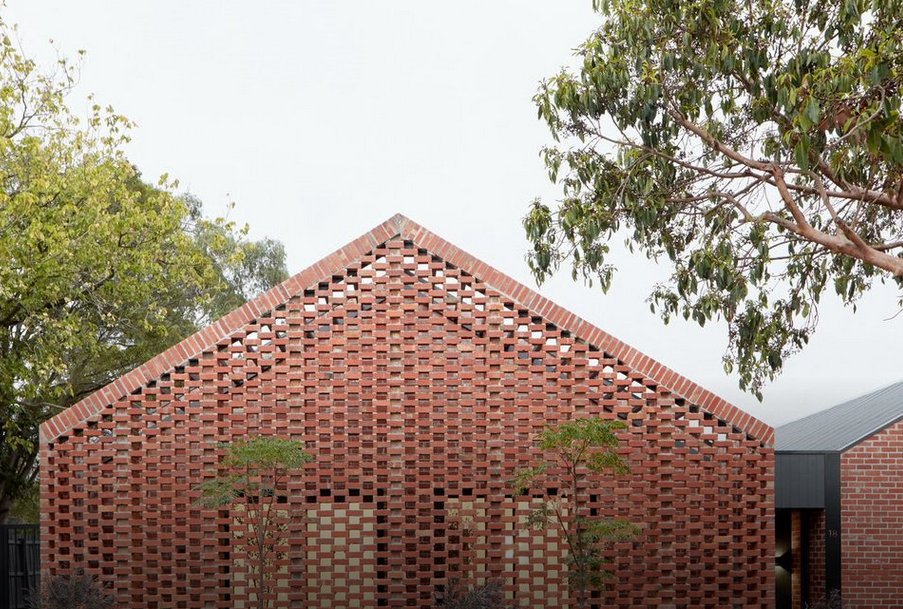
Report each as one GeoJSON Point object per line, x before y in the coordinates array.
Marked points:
{"type": "Point", "coordinates": [417, 376]}
{"type": "Point", "coordinates": [796, 531]}
{"type": "Point", "coordinates": [872, 520]}
{"type": "Point", "coordinates": [816, 555]}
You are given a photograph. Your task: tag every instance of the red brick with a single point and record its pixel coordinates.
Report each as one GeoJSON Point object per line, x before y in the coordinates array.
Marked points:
{"type": "Point", "coordinates": [426, 421]}
{"type": "Point", "coordinates": [872, 520]}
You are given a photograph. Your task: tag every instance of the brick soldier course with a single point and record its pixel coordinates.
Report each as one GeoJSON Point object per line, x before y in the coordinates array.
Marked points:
{"type": "Point", "coordinates": [417, 376]}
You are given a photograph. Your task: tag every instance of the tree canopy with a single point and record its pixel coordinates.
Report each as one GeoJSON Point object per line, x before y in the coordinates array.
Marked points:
{"type": "Point", "coordinates": [754, 146]}
{"type": "Point", "coordinates": [98, 270]}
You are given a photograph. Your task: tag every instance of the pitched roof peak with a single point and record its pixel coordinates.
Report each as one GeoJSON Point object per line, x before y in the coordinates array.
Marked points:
{"type": "Point", "coordinates": [400, 221]}
{"type": "Point", "coordinates": [400, 225]}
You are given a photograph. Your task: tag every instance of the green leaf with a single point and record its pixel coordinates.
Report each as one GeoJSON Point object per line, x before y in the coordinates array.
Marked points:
{"type": "Point", "coordinates": [801, 155]}
{"type": "Point", "coordinates": [813, 111]}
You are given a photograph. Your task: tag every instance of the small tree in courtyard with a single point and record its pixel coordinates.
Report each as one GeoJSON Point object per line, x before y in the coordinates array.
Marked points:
{"type": "Point", "coordinates": [252, 472]}
{"type": "Point", "coordinates": [571, 453]}
{"type": "Point", "coordinates": [75, 590]}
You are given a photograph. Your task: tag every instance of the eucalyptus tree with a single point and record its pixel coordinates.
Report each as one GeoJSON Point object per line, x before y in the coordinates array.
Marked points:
{"type": "Point", "coordinates": [754, 146]}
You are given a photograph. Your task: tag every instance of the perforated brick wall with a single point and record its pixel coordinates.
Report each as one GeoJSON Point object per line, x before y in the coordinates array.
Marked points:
{"type": "Point", "coordinates": [418, 377]}
{"type": "Point", "coordinates": [872, 520]}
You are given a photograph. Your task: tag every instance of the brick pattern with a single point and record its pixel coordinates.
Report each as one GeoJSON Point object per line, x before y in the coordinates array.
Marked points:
{"type": "Point", "coordinates": [816, 555]}
{"type": "Point", "coordinates": [796, 582]}
{"type": "Point", "coordinates": [400, 226]}
{"type": "Point", "coordinates": [418, 386]}
{"type": "Point", "coordinates": [872, 520]}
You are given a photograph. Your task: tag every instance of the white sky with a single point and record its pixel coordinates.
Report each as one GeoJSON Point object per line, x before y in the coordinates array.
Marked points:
{"type": "Point", "coordinates": [322, 119]}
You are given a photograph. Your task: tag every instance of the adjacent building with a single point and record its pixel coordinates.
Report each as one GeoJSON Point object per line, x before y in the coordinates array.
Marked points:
{"type": "Point", "coordinates": [839, 500]}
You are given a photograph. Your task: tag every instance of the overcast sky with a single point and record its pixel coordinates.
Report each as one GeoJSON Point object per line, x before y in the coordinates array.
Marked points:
{"type": "Point", "coordinates": [322, 119]}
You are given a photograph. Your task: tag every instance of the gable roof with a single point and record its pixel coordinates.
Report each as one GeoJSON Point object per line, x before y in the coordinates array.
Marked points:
{"type": "Point", "coordinates": [841, 427]}
{"type": "Point", "coordinates": [400, 226]}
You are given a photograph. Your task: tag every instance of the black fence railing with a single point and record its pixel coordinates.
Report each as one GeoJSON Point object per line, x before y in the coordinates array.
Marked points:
{"type": "Point", "coordinates": [20, 557]}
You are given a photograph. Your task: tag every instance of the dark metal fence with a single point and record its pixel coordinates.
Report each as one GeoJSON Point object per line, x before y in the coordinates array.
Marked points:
{"type": "Point", "coordinates": [20, 554]}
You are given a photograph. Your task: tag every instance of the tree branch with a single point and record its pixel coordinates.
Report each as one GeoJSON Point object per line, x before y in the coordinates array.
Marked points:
{"type": "Point", "coordinates": [852, 245]}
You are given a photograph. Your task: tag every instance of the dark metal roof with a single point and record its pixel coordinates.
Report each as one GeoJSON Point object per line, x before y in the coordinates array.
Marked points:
{"type": "Point", "coordinates": [845, 425]}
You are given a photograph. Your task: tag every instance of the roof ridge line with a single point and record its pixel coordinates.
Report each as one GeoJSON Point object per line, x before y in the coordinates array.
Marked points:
{"type": "Point", "coordinates": [881, 408]}
{"type": "Point", "coordinates": [856, 397]}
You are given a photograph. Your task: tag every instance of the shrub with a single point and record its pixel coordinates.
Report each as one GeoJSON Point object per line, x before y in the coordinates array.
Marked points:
{"type": "Point", "coordinates": [832, 601]}
{"type": "Point", "coordinates": [77, 590]}
{"type": "Point", "coordinates": [458, 595]}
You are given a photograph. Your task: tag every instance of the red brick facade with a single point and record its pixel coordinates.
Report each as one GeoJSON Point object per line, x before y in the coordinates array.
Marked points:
{"type": "Point", "coordinates": [417, 376]}
{"type": "Point", "coordinates": [796, 542]}
{"type": "Point", "coordinates": [872, 520]}
{"type": "Point", "coordinates": [817, 555]}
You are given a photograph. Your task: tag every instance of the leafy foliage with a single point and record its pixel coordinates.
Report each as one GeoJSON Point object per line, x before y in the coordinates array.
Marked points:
{"type": "Point", "coordinates": [242, 268]}
{"type": "Point", "coordinates": [77, 590]}
{"type": "Point", "coordinates": [99, 271]}
{"type": "Point", "coordinates": [573, 451]}
{"type": "Point", "coordinates": [253, 472]}
{"type": "Point", "coordinates": [27, 508]}
{"type": "Point", "coordinates": [754, 145]}
{"type": "Point", "coordinates": [458, 595]}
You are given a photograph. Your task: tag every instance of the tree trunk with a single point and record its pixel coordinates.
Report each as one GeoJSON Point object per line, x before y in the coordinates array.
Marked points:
{"type": "Point", "coordinates": [6, 504]}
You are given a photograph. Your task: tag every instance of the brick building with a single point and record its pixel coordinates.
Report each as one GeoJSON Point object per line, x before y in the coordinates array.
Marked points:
{"type": "Point", "coordinates": [839, 499]}
{"type": "Point", "coordinates": [417, 376]}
